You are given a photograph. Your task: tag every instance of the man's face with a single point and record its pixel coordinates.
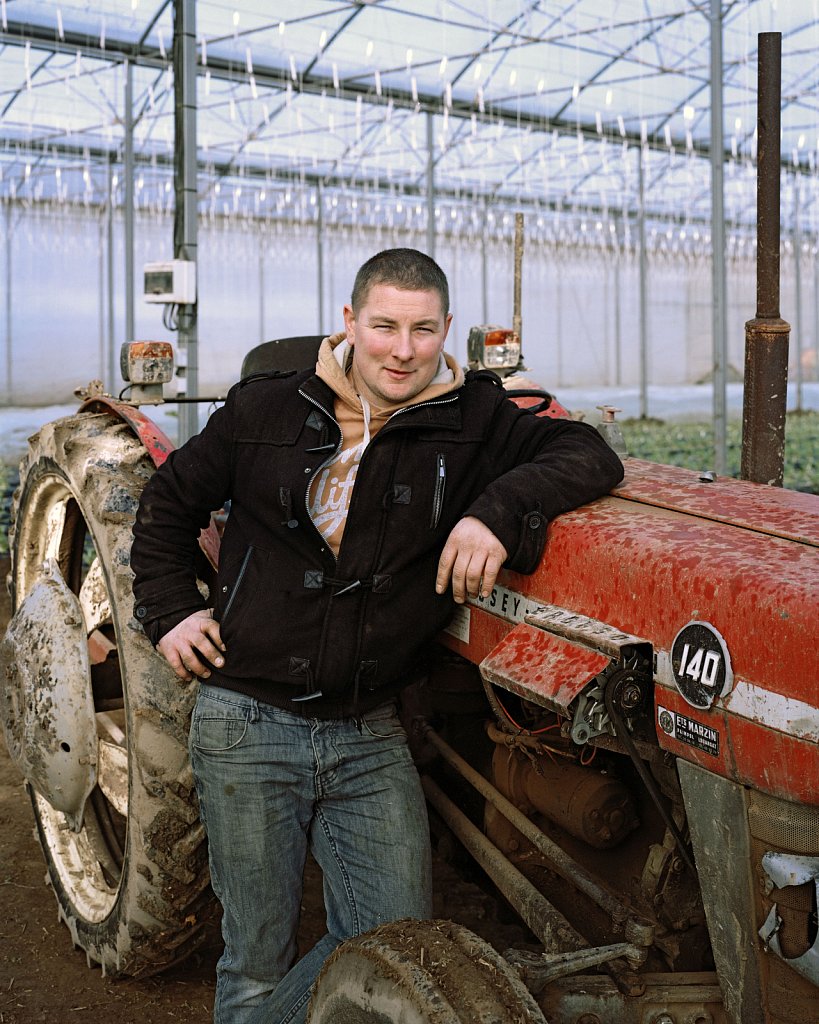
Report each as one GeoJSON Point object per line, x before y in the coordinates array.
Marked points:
{"type": "Point", "coordinates": [397, 337]}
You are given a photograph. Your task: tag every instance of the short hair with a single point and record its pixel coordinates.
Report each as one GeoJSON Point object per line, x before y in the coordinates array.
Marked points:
{"type": "Point", "coordinates": [407, 269]}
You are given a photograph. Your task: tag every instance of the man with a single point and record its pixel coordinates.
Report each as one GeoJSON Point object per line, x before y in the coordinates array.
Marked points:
{"type": "Point", "coordinates": [366, 496]}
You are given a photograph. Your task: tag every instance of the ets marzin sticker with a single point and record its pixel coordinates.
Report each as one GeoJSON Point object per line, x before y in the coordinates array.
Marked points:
{"type": "Point", "coordinates": [688, 730]}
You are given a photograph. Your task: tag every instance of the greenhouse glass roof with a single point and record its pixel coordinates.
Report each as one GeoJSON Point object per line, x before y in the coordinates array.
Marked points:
{"type": "Point", "coordinates": [530, 103]}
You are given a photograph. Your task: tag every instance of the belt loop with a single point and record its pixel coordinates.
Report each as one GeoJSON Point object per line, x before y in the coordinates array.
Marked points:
{"type": "Point", "coordinates": [254, 710]}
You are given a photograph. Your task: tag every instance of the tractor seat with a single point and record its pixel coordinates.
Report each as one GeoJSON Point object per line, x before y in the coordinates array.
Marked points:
{"type": "Point", "coordinates": [283, 354]}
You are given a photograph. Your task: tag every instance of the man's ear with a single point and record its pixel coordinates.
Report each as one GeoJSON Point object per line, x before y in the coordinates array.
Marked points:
{"type": "Point", "coordinates": [447, 325]}
{"type": "Point", "coordinates": [349, 324]}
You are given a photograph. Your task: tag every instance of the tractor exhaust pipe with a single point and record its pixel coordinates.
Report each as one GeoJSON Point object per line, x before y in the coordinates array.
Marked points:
{"type": "Point", "coordinates": [767, 335]}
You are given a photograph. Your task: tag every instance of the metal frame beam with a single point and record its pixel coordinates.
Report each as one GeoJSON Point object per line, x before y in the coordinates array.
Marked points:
{"type": "Point", "coordinates": [350, 89]}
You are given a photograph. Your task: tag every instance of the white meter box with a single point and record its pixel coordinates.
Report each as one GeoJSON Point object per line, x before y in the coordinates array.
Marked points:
{"type": "Point", "coordinates": [173, 281]}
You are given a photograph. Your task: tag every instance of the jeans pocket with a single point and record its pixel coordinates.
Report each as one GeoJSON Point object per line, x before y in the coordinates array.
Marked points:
{"type": "Point", "coordinates": [383, 722]}
{"type": "Point", "coordinates": [218, 725]}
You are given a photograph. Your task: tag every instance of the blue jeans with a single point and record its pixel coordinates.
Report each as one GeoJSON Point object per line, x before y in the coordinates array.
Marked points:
{"type": "Point", "coordinates": [271, 784]}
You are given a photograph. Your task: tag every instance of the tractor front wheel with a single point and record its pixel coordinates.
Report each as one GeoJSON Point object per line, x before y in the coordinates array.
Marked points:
{"type": "Point", "coordinates": [420, 972]}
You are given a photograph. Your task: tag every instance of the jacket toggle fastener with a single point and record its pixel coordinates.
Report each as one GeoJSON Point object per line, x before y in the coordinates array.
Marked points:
{"type": "Point", "coordinates": [314, 579]}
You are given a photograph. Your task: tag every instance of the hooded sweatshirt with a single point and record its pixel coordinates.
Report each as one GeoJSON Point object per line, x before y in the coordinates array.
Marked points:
{"type": "Point", "coordinates": [360, 421]}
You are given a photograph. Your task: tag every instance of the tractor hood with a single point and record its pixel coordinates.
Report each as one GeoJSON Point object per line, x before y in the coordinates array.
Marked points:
{"type": "Point", "coordinates": [720, 578]}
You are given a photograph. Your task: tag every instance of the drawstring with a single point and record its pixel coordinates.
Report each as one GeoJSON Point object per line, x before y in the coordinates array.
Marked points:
{"type": "Point", "coordinates": [365, 409]}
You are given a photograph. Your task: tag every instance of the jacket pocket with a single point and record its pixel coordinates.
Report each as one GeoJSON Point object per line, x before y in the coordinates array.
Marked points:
{"type": "Point", "coordinates": [440, 487]}
{"type": "Point", "coordinates": [236, 586]}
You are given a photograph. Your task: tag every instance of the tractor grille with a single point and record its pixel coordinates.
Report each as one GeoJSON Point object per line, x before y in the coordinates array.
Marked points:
{"type": "Point", "coordinates": [782, 825]}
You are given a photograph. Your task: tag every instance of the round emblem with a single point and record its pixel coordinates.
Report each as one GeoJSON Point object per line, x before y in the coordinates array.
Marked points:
{"type": "Point", "coordinates": [666, 722]}
{"type": "Point", "coordinates": [701, 664]}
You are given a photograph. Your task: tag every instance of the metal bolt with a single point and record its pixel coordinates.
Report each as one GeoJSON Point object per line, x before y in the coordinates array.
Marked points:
{"type": "Point", "coordinates": [608, 412]}
{"type": "Point", "coordinates": [631, 696]}
{"type": "Point", "coordinates": [616, 819]}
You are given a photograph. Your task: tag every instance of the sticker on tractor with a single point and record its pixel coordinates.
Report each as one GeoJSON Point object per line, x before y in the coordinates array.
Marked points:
{"type": "Point", "coordinates": [688, 730]}
{"type": "Point", "coordinates": [459, 624]}
{"type": "Point", "coordinates": [701, 664]}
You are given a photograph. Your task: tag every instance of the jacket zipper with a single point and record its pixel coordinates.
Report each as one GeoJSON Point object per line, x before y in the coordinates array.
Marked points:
{"type": "Point", "coordinates": [440, 485]}
{"type": "Point", "coordinates": [326, 462]}
{"type": "Point", "coordinates": [237, 584]}
{"type": "Point", "coordinates": [443, 400]}
{"type": "Point", "coordinates": [441, 478]}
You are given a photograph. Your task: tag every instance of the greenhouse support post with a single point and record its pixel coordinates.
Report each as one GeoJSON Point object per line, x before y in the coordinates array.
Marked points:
{"type": "Point", "coordinates": [767, 335]}
{"type": "Point", "coordinates": [815, 318]}
{"type": "Point", "coordinates": [798, 323]}
{"type": "Point", "coordinates": [9, 379]}
{"type": "Point", "coordinates": [261, 286]}
{"type": "Point", "coordinates": [185, 219]}
{"type": "Point", "coordinates": [320, 255]}
{"type": "Point", "coordinates": [430, 186]}
{"type": "Point", "coordinates": [641, 225]}
{"type": "Point", "coordinates": [111, 368]}
{"type": "Point", "coordinates": [618, 339]}
{"type": "Point", "coordinates": [484, 269]}
{"type": "Point", "coordinates": [128, 186]}
{"type": "Point", "coordinates": [719, 320]}
{"type": "Point", "coordinates": [102, 343]}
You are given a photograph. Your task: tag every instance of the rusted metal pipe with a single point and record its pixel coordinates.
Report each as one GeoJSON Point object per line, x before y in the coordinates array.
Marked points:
{"type": "Point", "coordinates": [767, 335]}
{"type": "Point", "coordinates": [540, 916]}
{"type": "Point", "coordinates": [545, 920]}
{"type": "Point", "coordinates": [640, 933]}
{"type": "Point", "coordinates": [517, 320]}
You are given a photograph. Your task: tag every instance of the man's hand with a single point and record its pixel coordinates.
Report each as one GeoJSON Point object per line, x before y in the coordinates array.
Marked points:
{"type": "Point", "coordinates": [471, 554]}
{"type": "Point", "coordinates": [194, 636]}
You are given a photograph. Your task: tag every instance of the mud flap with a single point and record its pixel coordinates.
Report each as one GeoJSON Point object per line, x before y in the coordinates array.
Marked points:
{"type": "Point", "coordinates": [48, 709]}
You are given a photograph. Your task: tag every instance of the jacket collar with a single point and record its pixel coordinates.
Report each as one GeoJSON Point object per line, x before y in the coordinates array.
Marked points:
{"type": "Point", "coordinates": [443, 412]}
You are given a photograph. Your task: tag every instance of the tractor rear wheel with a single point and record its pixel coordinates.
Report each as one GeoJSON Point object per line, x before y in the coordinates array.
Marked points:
{"type": "Point", "coordinates": [130, 876]}
{"type": "Point", "coordinates": [420, 972]}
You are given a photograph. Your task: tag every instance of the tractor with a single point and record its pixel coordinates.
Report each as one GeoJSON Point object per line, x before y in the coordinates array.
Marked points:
{"type": "Point", "coordinates": [623, 745]}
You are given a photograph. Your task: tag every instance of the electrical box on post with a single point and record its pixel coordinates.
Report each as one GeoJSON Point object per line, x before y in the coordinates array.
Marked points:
{"type": "Point", "coordinates": [171, 282]}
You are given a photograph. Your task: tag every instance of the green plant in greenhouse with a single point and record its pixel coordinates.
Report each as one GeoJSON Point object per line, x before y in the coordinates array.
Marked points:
{"type": "Point", "coordinates": [691, 446]}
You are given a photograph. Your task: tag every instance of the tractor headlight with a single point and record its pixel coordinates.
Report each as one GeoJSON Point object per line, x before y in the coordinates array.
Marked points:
{"type": "Point", "coordinates": [497, 348]}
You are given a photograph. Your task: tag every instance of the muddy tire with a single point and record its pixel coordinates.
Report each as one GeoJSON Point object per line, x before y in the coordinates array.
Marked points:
{"type": "Point", "coordinates": [132, 885]}
{"type": "Point", "coordinates": [420, 972]}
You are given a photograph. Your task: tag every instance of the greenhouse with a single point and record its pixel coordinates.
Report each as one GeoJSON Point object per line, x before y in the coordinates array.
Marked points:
{"type": "Point", "coordinates": [324, 131]}
{"type": "Point", "coordinates": [409, 511]}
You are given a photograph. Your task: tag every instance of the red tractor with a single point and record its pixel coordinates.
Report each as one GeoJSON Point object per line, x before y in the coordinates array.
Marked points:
{"type": "Point", "coordinates": [625, 742]}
